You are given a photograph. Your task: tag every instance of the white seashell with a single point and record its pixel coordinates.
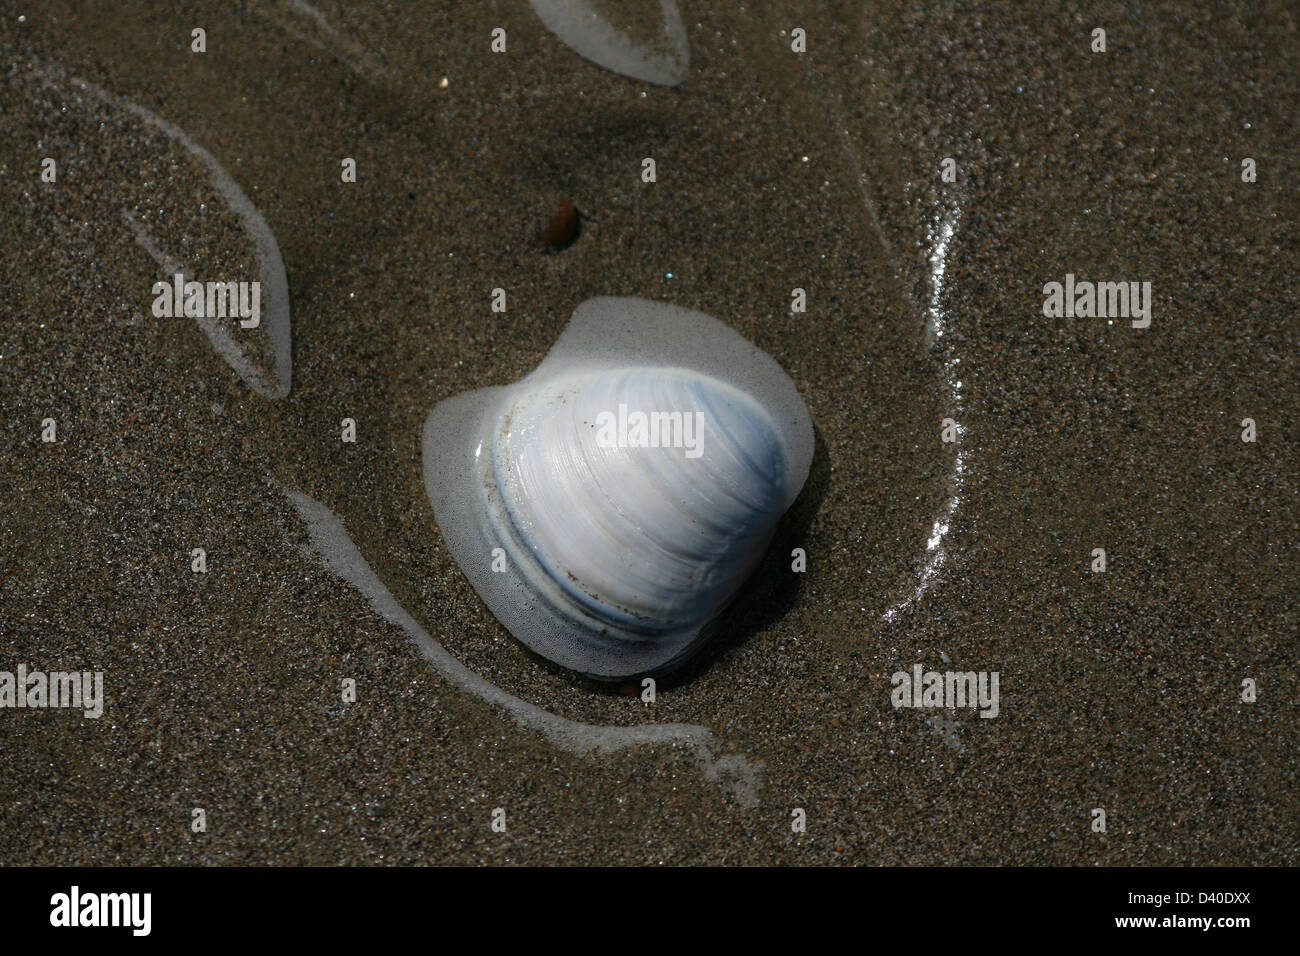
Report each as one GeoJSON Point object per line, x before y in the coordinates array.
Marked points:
{"type": "Point", "coordinates": [661, 55]}
{"type": "Point", "coordinates": [619, 555]}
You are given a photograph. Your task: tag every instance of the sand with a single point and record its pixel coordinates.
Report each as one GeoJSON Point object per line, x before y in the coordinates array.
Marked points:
{"type": "Point", "coordinates": [1118, 690]}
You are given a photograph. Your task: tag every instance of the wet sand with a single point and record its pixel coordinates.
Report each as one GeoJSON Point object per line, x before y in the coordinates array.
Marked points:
{"type": "Point", "coordinates": [1119, 690]}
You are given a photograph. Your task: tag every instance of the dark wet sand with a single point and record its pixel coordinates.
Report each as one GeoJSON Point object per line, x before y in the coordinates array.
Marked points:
{"type": "Point", "coordinates": [1119, 690]}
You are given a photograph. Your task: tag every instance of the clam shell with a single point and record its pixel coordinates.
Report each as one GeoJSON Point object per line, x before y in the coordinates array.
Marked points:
{"type": "Point", "coordinates": [620, 554]}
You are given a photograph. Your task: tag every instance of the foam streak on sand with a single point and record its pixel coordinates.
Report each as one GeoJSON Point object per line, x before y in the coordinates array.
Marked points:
{"type": "Point", "coordinates": [936, 326]}
{"type": "Point", "coordinates": [222, 341]}
{"type": "Point", "coordinates": [941, 233]}
{"type": "Point", "coordinates": [304, 22]}
{"type": "Point", "coordinates": [585, 31]}
{"type": "Point", "coordinates": [734, 772]}
{"type": "Point", "coordinates": [275, 284]}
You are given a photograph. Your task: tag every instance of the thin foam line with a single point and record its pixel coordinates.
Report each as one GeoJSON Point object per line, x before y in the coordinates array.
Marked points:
{"type": "Point", "coordinates": [942, 232]}
{"type": "Point", "coordinates": [334, 546]}
{"type": "Point", "coordinates": [270, 264]}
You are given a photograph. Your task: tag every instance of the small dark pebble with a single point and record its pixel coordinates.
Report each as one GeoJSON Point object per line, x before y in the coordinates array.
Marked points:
{"type": "Point", "coordinates": [563, 227]}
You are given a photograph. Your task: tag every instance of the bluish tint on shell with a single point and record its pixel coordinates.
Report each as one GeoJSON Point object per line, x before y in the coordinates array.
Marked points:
{"type": "Point", "coordinates": [618, 560]}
